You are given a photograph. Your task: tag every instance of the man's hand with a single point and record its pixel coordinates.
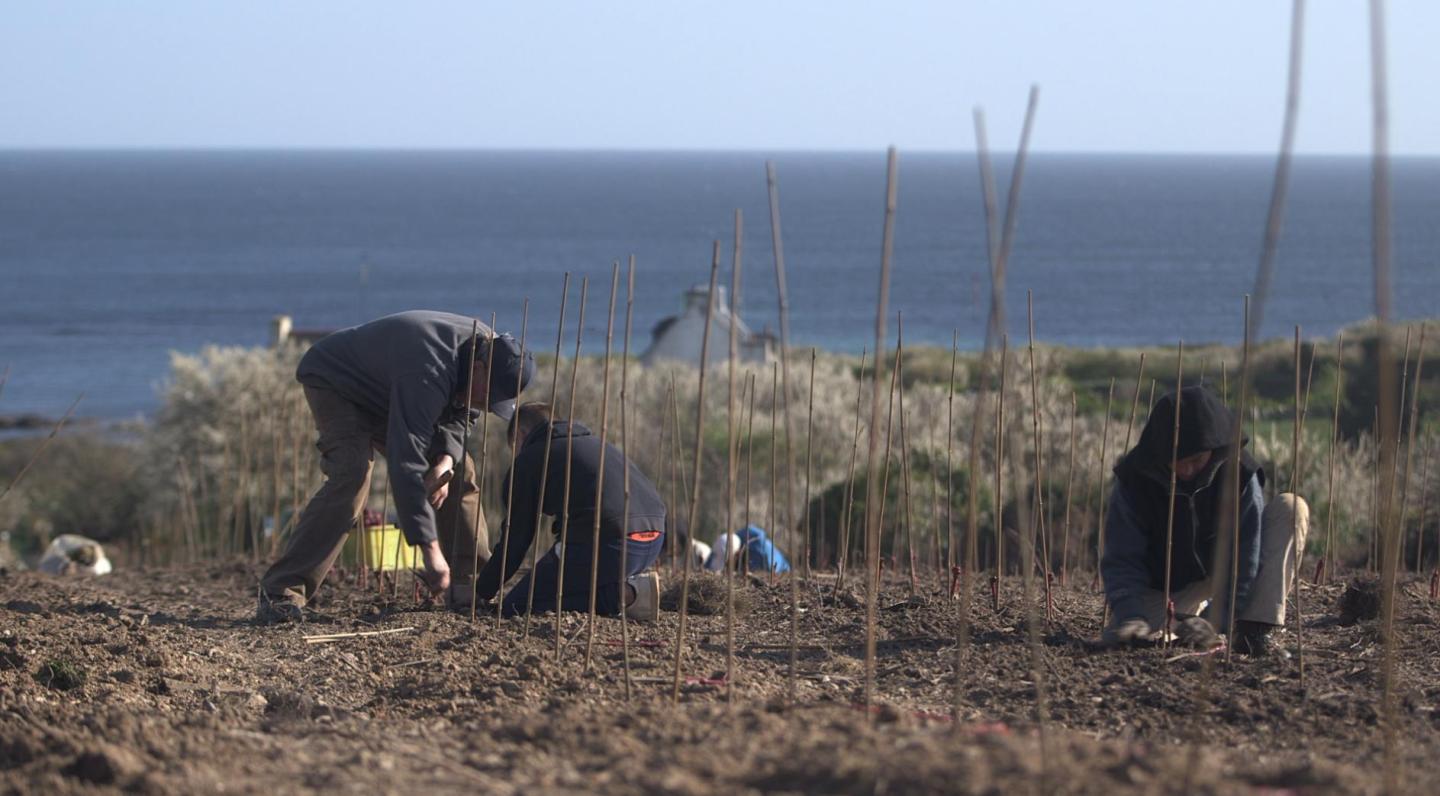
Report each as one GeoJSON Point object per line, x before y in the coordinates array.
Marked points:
{"type": "Point", "coordinates": [437, 480]}
{"type": "Point", "coordinates": [437, 571]}
{"type": "Point", "coordinates": [1194, 631]}
{"type": "Point", "coordinates": [1126, 633]}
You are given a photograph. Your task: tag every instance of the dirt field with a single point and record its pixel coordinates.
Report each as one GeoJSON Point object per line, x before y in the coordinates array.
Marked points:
{"type": "Point", "coordinates": [157, 682]}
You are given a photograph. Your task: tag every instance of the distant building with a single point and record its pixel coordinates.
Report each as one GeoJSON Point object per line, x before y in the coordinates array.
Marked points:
{"type": "Point", "coordinates": [678, 338]}
{"type": "Point", "coordinates": [283, 333]}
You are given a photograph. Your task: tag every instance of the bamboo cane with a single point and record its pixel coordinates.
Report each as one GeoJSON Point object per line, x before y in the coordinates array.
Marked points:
{"type": "Point", "coordinates": [1170, 507]}
{"type": "Point", "coordinates": [695, 495]}
{"type": "Point", "coordinates": [41, 448]}
{"type": "Point", "coordinates": [1038, 520]}
{"type": "Point", "coordinates": [600, 477]}
{"type": "Point", "coordinates": [1410, 452]}
{"type": "Point", "coordinates": [569, 463]}
{"type": "Point", "coordinates": [465, 437]}
{"type": "Point", "coordinates": [909, 527]}
{"type": "Point", "coordinates": [885, 472]}
{"type": "Point", "coordinates": [794, 584]}
{"type": "Point", "coordinates": [1100, 503]}
{"type": "Point", "coordinates": [484, 459]}
{"type": "Point", "coordinates": [845, 515]}
{"type": "Point", "coordinates": [730, 454]}
{"type": "Point", "coordinates": [545, 460]}
{"type": "Point", "coordinates": [774, 475]}
{"type": "Point", "coordinates": [777, 245]}
{"type": "Point", "coordinates": [872, 519]}
{"type": "Point", "coordinates": [997, 583]}
{"type": "Point", "coordinates": [1295, 524]}
{"type": "Point", "coordinates": [625, 449]}
{"type": "Point", "coordinates": [510, 492]}
{"type": "Point", "coordinates": [1235, 484]}
{"type": "Point", "coordinates": [950, 557]}
{"type": "Point", "coordinates": [1069, 492]}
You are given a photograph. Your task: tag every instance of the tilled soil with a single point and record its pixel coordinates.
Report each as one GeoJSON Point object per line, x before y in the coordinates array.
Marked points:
{"type": "Point", "coordinates": [157, 681]}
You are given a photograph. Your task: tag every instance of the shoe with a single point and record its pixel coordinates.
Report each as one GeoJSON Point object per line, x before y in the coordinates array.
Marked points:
{"type": "Point", "coordinates": [1258, 640]}
{"type": "Point", "coordinates": [1195, 632]}
{"type": "Point", "coordinates": [277, 611]}
{"type": "Point", "coordinates": [645, 606]}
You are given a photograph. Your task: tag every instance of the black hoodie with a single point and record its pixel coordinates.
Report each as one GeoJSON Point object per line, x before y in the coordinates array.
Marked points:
{"type": "Point", "coordinates": [647, 510]}
{"type": "Point", "coordinates": [1135, 527]}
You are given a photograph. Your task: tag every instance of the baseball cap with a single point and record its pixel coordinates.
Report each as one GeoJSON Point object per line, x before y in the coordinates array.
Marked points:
{"type": "Point", "coordinates": [508, 365]}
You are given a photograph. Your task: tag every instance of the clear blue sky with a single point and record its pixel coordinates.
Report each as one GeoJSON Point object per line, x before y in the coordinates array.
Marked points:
{"type": "Point", "coordinates": [1115, 75]}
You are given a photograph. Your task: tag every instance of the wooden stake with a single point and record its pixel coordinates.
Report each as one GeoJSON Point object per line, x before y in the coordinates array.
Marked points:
{"type": "Point", "coordinates": [1000, 472]}
{"type": "Point", "coordinates": [464, 438]}
{"type": "Point", "coordinates": [1100, 502]}
{"type": "Point", "coordinates": [781, 294]}
{"type": "Point", "coordinates": [845, 517]}
{"type": "Point", "coordinates": [1038, 521]}
{"type": "Point", "coordinates": [730, 455]}
{"type": "Point", "coordinates": [1295, 526]}
{"type": "Point", "coordinates": [34, 457]}
{"type": "Point", "coordinates": [600, 477]}
{"type": "Point", "coordinates": [950, 557]}
{"type": "Point", "coordinates": [569, 463]}
{"type": "Point", "coordinates": [699, 449]}
{"type": "Point", "coordinates": [774, 469]}
{"type": "Point", "coordinates": [872, 518]}
{"type": "Point", "coordinates": [510, 493]}
{"type": "Point", "coordinates": [1170, 506]}
{"type": "Point", "coordinates": [1069, 492]}
{"type": "Point", "coordinates": [1235, 483]}
{"type": "Point", "coordinates": [909, 528]}
{"type": "Point", "coordinates": [545, 460]}
{"type": "Point", "coordinates": [794, 584]}
{"type": "Point", "coordinates": [625, 449]}
{"type": "Point", "coordinates": [1410, 453]}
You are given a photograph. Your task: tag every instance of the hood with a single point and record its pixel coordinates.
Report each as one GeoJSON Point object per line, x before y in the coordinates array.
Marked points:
{"type": "Point", "coordinates": [563, 428]}
{"type": "Point", "coordinates": [751, 532]}
{"type": "Point", "coordinates": [1205, 425]}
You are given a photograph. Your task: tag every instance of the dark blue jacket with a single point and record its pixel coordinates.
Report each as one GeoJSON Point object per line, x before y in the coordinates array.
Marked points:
{"type": "Point", "coordinates": [764, 555]}
{"type": "Point", "coordinates": [646, 509]}
{"type": "Point", "coordinates": [1135, 524]}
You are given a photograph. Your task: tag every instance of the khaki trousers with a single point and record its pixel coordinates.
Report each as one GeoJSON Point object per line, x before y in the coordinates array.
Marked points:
{"type": "Point", "coordinates": [1283, 529]}
{"type": "Point", "coordinates": [348, 438]}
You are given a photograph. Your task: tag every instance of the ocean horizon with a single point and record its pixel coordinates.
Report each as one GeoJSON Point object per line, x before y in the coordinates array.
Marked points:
{"type": "Point", "coordinates": [113, 259]}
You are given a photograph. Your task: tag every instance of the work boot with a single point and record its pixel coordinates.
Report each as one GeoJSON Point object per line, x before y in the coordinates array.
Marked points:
{"type": "Point", "coordinates": [1258, 640]}
{"type": "Point", "coordinates": [277, 611]}
{"type": "Point", "coordinates": [644, 605]}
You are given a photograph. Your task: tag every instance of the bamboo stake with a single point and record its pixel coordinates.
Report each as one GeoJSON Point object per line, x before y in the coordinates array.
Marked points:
{"type": "Point", "coordinates": [569, 462]}
{"type": "Point", "coordinates": [794, 585]}
{"type": "Point", "coordinates": [1235, 485]}
{"type": "Point", "coordinates": [1380, 205]}
{"type": "Point", "coordinates": [677, 449]}
{"type": "Point", "coordinates": [484, 459]}
{"type": "Point", "coordinates": [909, 527]}
{"type": "Point", "coordinates": [666, 458]}
{"type": "Point", "coordinates": [600, 477]}
{"type": "Point", "coordinates": [996, 585]}
{"type": "Point", "coordinates": [845, 516]}
{"type": "Point", "coordinates": [1170, 507]}
{"type": "Point", "coordinates": [465, 437]}
{"type": "Point", "coordinates": [950, 557]}
{"type": "Point", "coordinates": [1425, 498]}
{"type": "Point", "coordinates": [510, 492]}
{"type": "Point", "coordinates": [625, 449]}
{"type": "Point", "coordinates": [885, 477]}
{"type": "Point", "coordinates": [1100, 503]}
{"type": "Point", "coordinates": [1038, 520]}
{"type": "Point", "coordinates": [41, 448]}
{"type": "Point", "coordinates": [1281, 184]}
{"type": "Point", "coordinates": [1295, 526]}
{"type": "Point", "coordinates": [730, 453]}
{"type": "Point", "coordinates": [749, 469]}
{"type": "Point", "coordinates": [1410, 452]}
{"type": "Point", "coordinates": [872, 519]}
{"type": "Point", "coordinates": [699, 449]}
{"type": "Point", "coordinates": [774, 475]}
{"type": "Point", "coordinates": [1069, 492]}
{"type": "Point", "coordinates": [545, 460]}
{"type": "Point", "coordinates": [777, 245]}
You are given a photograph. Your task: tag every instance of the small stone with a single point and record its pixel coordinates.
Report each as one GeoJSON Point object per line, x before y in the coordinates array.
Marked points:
{"type": "Point", "coordinates": [258, 701]}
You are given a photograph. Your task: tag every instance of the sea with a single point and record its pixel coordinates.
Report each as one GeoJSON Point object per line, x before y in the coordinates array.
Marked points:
{"type": "Point", "coordinates": [111, 261]}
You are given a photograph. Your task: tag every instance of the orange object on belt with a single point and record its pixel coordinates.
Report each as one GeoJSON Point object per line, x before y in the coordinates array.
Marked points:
{"type": "Point", "coordinates": [644, 536]}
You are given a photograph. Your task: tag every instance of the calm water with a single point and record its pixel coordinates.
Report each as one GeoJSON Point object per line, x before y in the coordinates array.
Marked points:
{"type": "Point", "coordinates": [108, 261]}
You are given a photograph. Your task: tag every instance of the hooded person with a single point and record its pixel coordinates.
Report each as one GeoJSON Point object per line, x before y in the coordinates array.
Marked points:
{"type": "Point", "coordinates": [761, 554]}
{"type": "Point", "coordinates": [398, 385]}
{"type": "Point", "coordinates": [1134, 561]}
{"type": "Point", "coordinates": [638, 526]}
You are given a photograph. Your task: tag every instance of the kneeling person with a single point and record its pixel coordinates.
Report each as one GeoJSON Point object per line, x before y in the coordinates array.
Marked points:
{"type": "Point", "coordinates": [1134, 561]}
{"type": "Point", "coordinates": [641, 532]}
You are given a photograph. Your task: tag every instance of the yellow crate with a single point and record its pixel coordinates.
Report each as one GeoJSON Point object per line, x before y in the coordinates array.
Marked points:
{"type": "Point", "coordinates": [377, 546]}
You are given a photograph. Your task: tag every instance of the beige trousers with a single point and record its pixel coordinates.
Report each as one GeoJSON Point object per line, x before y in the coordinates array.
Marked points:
{"type": "Point", "coordinates": [348, 439]}
{"type": "Point", "coordinates": [1283, 529]}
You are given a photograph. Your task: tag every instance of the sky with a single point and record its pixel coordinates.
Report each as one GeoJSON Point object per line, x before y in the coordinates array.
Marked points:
{"type": "Point", "coordinates": [1114, 75]}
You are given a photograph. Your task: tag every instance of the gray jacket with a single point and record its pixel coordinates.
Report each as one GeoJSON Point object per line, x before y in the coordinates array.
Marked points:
{"type": "Point", "coordinates": [403, 369]}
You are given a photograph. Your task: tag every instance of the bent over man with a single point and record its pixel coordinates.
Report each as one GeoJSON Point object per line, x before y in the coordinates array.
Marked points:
{"type": "Point", "coordinates": [1134, 561]}
{"type": "Point", "coordinates": [397, 385]}
{"type": "Point", "coordinates": [641, 532]}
